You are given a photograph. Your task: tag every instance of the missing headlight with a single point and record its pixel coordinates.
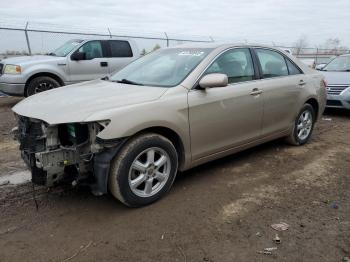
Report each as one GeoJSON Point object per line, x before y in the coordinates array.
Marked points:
{"type": "Point", "coordinates": [73, 134]}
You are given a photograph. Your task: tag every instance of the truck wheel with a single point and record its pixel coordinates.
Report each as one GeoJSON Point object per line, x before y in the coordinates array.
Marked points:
{"type": "Point", "coordinates": [40, 84]}
{"type": "Point", "coordinates": [303, 126]}
{"type": "Point", "coordinates": [144, 170]}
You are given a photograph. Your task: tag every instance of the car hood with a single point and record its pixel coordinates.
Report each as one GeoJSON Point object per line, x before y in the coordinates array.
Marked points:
{"type": "Point", "coordinates": [337, 78]}
{"type": "Point", "coordinates": [75, 103]}
{"type": "Point", "coordinates": [22, 60]}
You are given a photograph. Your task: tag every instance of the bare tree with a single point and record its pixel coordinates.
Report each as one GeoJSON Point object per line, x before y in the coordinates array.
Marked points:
{"type": "Point", "coordinates": [157, 46]}
{"type": "Point", "coordinates": [333, 46]}
{"type": "Point", "coordinates": [300, 44]}
{"type": "Point", "coordinates": [143, 52]}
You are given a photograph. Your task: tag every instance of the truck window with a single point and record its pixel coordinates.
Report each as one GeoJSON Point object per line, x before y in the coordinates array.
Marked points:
{"type": "Point", "coordinates": [120, 48]}
{"type": "Point", "coordinates": [92, 49]}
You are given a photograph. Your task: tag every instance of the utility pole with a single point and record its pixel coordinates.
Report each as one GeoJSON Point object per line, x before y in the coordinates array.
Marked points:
{"type": "Point", "coordinates": [109, 31]}
{"type": "Point", "coordinates": [27, 38]}
{"type": "Point", "coordinates": [167, 39]}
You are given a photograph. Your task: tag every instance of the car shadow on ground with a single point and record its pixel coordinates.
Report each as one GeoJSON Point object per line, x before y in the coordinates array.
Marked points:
{"type": "Point", "coordinates": [337, 112]}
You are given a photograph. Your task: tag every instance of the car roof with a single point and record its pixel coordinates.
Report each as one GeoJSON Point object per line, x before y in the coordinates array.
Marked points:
{"type": "Point", "coordinates": [215, 45]}
{"type": "Point", "coordinates": [102, 38]}
{"type": "Point", "coordinates": [218, 47]}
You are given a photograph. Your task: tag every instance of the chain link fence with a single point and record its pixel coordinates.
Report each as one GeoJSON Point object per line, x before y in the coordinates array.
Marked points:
{"type": "Point", "coordinates": [315, 56]}
{"type": "Point", "coordinates": [35, 38]}
{"type": "Point", "coordinates": [24, 38]}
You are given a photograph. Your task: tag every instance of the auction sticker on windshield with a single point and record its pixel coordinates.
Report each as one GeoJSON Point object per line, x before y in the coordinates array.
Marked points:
{"type": "Point", "coordinates": [191, 53]}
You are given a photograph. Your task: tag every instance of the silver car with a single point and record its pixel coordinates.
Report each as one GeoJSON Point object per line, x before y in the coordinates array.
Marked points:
{"type": "Point", "coordinates": [171, 110]}
{"type": "Point", "coordinates": [337, 74]}
{"type": "Point", "coordinates": [73, 62]}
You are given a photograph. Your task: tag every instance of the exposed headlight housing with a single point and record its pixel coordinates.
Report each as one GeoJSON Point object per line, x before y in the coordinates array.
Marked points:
{"type": "Point", "coordinates": [12, 69]}
{"type": "Point", "coordinates": [104, 123]}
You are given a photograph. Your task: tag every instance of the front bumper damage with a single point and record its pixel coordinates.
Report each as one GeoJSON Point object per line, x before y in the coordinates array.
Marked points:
{"type": "Point", "coordinates": [66, 152]}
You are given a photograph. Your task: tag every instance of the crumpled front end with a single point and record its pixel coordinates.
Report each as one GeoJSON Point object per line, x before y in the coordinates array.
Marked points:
{"type": "Point", "coordinates": [64, 152]}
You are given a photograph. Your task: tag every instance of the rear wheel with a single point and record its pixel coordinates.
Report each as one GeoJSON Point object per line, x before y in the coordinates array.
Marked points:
{"type": "Point", "coordinates": [40, 84]}
{"type": "Point", "coordinates": [144, 170]}
{"type": "Point", "coordinates": [303, 126]}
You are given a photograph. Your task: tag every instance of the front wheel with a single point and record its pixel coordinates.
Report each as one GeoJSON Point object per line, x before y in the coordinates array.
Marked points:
{"type": "Point", "coordinates": [303, 126]}
{"type": "Point", "coordinates": [41, 84]}
{"type": "Point", "coordinates": [144, 170]}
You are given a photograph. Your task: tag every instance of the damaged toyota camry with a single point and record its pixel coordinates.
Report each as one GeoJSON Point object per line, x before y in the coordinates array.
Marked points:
{"type": "Point", "coordinates": [170, 110]}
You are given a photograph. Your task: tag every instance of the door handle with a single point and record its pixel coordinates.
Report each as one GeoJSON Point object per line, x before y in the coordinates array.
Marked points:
{"type": "Point", "coordinates": [256, 92]}
{"type": "Point", "coordinates": [103, 64]}
{"type": "Point", "coordinates": [302, 83]}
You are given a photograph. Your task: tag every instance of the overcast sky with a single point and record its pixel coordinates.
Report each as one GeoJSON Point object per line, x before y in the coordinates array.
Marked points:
{"type": "Point", "coordinates": [278, 21]}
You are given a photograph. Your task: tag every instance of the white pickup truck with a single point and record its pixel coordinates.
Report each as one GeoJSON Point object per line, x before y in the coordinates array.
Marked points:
{"type": "Point", "coordinates": [75, 61]}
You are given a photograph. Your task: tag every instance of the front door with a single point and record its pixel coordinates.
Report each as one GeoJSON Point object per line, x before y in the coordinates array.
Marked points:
{"type": "Point", "coordinates": [224, 117]}
{"type": "Point", "coordinates": [94, 66]}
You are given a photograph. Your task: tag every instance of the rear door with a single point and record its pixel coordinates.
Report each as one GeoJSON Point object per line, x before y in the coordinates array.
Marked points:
{"type": "Point", "coordinates": [224, 117]}
{"type": "Point", "coordinates": [120, 54]}
{"type": "Point", "coordinates": [281, 82]}
{"type": "Point", "coordinates": [95, 64]}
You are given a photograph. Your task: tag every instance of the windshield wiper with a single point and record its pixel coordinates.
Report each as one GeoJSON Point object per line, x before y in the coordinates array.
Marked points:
{"type": "Point", "coordinates": [346, 70]}
{"type": "Point", "coordinates": [52, 54]}
{"type": "Point", "coordinates": [126, 81]}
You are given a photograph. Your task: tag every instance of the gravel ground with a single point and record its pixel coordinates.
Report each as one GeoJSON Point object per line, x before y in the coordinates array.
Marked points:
{"type": "Point", "coordinates": [221, 211]}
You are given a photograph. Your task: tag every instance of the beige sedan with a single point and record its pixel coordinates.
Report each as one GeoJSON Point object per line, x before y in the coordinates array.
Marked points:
{"type": "Point", "coordinates": [170, 110]}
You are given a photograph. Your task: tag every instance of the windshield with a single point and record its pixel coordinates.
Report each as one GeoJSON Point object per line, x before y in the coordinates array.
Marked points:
{"type": "Point", "coordinates": [166, 67]}
{"type": "Point", "coordinates": [340, 63]}
{"type": "Point", "coordinates": [65, 49]}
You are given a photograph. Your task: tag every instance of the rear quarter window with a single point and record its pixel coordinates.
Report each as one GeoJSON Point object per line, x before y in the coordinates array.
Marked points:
{"type": "Point", "coordinates": [120, 48]}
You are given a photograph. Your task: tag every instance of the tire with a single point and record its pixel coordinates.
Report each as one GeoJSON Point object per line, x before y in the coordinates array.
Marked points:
{"type": "Point", "coordinates": [40, 84]}
{"type": "Point", "coordinates": [133, 165]}
{"type": "Point", "coordinates": [297, 136]}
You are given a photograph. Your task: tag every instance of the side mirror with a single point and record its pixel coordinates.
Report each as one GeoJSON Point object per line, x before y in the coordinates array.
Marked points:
{"type": "Point", "coordinates": [320, 66]}
{"type": "Point", "coordinates": [213, 80]}
{"type": "Point", "coordinates": [78, 56]}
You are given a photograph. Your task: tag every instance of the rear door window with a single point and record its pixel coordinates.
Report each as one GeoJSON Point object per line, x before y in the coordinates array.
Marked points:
{"type": "Point", "coordinates": [236, 63]}
{"type": "Point", "coordinates": [272, 63]}
{"type": "Point", "coordinates": [120, 48]}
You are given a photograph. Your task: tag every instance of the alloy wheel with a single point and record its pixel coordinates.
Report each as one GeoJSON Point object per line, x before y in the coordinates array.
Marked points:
{"type": "Point", "coordinates": [304, 125]}
{"type": "Point", "coordinates": [149, 172]}
{"type": "Point", "coordinates": [43, 86]}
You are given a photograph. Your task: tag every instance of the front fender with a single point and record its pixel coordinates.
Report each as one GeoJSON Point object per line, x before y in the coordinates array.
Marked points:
{"type": "Point", "coordinates": [60, 71]}
{"type": "Point", "coordinates": [169, 113]}
{"type": "Point", "coordinates": [131, 120]}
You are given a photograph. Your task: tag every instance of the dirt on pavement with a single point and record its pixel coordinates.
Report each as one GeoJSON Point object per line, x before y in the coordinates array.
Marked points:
{"type": "Point", "coordinates": [221, 211]}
